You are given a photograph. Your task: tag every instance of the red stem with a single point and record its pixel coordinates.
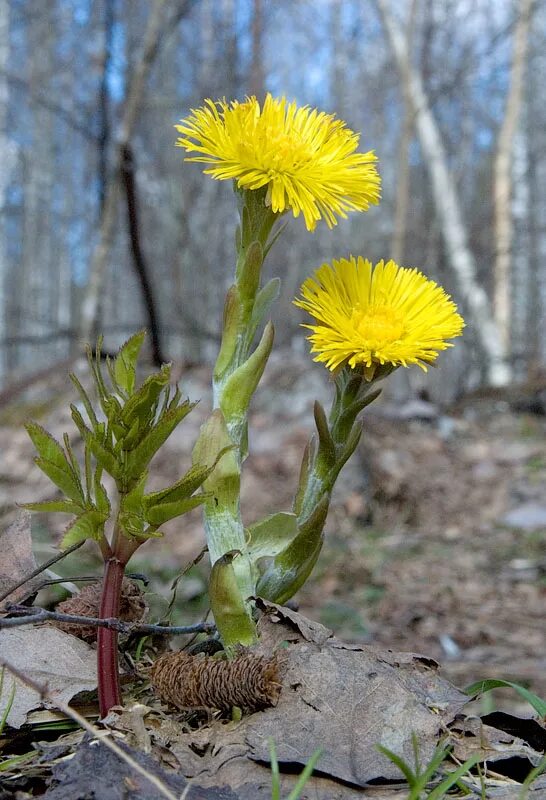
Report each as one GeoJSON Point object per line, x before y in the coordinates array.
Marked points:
{"type": "Point", "coordinates": [107, 639]}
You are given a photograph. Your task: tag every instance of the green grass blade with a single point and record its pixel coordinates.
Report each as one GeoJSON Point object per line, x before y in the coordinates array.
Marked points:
{"type": "Point", "coordinates": [404, 768]}
{"type": "Point", "coordinates": [305, 775]}
{"type": "Point", "coordinates": [480, 687]}
{"type": "Point", "coordinates": [439, 791]}
{"type": "Point", "coordinates": [275, 776]}
{"type": "Point", "coordinates": [538, 770]}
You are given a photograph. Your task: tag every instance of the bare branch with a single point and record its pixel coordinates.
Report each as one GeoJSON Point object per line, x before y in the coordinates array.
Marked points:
{"type": "Point", "coordinates": [40, 569]}
{"type": "Point", "coordinates": [30, 616]}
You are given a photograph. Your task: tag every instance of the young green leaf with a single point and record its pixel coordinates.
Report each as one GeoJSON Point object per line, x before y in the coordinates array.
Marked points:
{"type": "Point", "coordinates": [142, 404]}
{"type": "Point", "coordinates": [60, 506]}
{"type": "Point", "coordinates": [89, 525]}
{"type": "Point", "coordinates": [48, 448]}
{"type": "Point", "coordinates": [163, 512]}
{"type": "Point", "coordinates": [230, 611]}
{"type": "Point", "coordinates": [63, 479]}
{"type": "Point", "coordinates": [139, 458]}
{"type": "Point", "coordinates": [126, 360]}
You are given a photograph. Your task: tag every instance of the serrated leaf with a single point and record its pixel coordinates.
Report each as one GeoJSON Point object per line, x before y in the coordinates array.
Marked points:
{"type": "Point", "coordinates": [102, 500]}
{"type": "Point", "coordinates": [126, 360]}
{"type": "Point", "coordinates": [48, 447]}
{"type": "Point", "coordinates": [85, 399]}
{"type": "Point", "coordinates": [64, 480]}
{"type": "Point", "coordinates": [139, 458]}
{"type": "Point", "coordinates": [186, 485]}
{"type": "Point", "coordinates": [104, 456]}
{"type": "Point", "coordinates": [142, 405]}
{"type": "Point", "coordinates": [163, 512]}
{"type": "Point", "coordinates": [89, 525]}
{"type": "Point", "coordinates": [61, 506]}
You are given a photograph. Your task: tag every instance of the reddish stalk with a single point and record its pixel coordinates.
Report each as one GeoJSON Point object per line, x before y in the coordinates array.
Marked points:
{"type": "Point", "coordinates": [107, 639]}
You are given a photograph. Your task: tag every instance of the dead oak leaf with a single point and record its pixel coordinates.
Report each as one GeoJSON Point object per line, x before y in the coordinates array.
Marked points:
{"type": "Point", "coordinates": [50, 657]}
{"type": "Point", "coordinates": [17, 559]}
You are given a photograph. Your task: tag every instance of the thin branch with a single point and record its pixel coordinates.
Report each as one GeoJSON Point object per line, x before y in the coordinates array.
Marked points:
{"type": "Point", "coordinates": [40, 569]}
{"type": "Point", "coordinates": [30, 616]}
{"type": "Point", "coordinates": [101, 736]}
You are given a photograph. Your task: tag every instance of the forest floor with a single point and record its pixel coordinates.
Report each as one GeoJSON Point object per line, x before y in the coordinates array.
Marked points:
{"type": "Point", "coordinates": [436, 540]}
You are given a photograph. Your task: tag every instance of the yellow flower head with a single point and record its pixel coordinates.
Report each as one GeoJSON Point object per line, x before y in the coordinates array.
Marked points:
{"type": "Point", "coordinates": [377, 315]}
{"type": "Point", "coordinates": [307, 159]}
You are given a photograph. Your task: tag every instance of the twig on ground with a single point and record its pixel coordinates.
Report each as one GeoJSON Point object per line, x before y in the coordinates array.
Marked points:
{"type": "Point", "coordinates": [30, 616]}
{"type": "Point", "coordinates": [102, 736]}
{"type": "Point", "coordinates": [38, 570]}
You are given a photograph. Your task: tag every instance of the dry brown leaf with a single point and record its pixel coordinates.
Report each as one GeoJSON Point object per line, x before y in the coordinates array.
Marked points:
{"type": "Point", "coordinates": [342, 698]}
{"type": "Point", "coordinates": [49, 656]}
{"type": "Point", "coordinates": [17, 559]}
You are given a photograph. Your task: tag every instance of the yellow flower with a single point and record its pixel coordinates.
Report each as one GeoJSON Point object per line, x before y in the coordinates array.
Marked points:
{"type": "Point", "coordinates": [377, 315]}
{"type": "Point", "coordinates": [304, 157]}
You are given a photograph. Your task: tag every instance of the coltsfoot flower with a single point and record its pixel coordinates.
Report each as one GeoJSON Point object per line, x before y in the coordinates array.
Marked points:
{"type": "Point", "coordinates": [306, 158]}
{"type": "Point", "coordinates": [384, 315]}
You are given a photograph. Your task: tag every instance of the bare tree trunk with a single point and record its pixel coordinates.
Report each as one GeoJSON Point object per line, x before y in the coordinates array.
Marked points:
{"type": "Point", "coordinates": [449, 210]}
{"type": "Point", "coordinates": [6, 163]}
{"type": "Point", "coordinates": [107, 229]}
{"type": "Point", "coordinates": [403, 170]}
{"type": "Point", "coordinates": [257, 81]}
{"type": "Point", "coordinates": [139, 261]}
{"type": "Point", "coordinates": [503, 177]}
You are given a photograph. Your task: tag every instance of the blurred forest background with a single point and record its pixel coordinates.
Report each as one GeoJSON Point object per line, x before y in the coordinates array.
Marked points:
{"type": "Point", "coordinates": [104, 228]}
{"type": "Point", "coordinates": [435, 542]}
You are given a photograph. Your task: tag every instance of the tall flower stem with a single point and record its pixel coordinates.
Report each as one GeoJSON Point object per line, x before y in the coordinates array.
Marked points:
{"type": "Point", "coordinates": [236, 375]}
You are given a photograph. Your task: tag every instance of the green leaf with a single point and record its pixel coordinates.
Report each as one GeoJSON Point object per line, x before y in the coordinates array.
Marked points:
{"type": "Point", "coordinates": [241, 384]}
{"type": "Point", "coordinates": [143, 403]}
{"type": "Point", "coordinates": [85, 400]}
{"type": "Point", "coordinates": [307, 462]}
{"type": "Point", "coordinates": [63, 479]}
{"type": "Point", "coordinates": [89, 525]}
{"type": "Point", "coordinates": [229, 608]}
{"type": "Point", "coordinates": [262, 305]}
{"type": "Point", "coordinates": [271, 535]}
{"type": "Point", "coordinates": [350, 446]}
{"type": "Point", "coordinates": [183, 488]}
{"type": "Point", "coordinates": [282, 576]}
{"type": "Point", "coordinates": [139, 458]}
{"type": "Point", "coordinates": [105, 457]}
{"type": "Point", "coordinates": [48, 448]}
{"type": "Point", "coordinates": [163, 512]}
{"type": "Point", "coordinates": [102, 500]}
{"type": "Point", "coordinates": [480, 687]}
{"type": "Point", "coordinates": [327, 448]}
{"type": "Point", "coordinates": [214, 447]}
{"type": "Point", "coordinates": [230, 327]}
{"type": "Point", "coordinates": [249, 278]}
{"type": "Point", "coordinates": [126, 360]}
{"type": "Point", "coordinates": [61, 506]}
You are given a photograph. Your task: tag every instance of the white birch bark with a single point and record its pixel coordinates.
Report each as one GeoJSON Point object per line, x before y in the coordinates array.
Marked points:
{"type": "Point", "coordinates": [448, 207]}
{"type": "Point", "coordinates": [107, 231]}
{"type": "Point", "coordinates": [503, 182]}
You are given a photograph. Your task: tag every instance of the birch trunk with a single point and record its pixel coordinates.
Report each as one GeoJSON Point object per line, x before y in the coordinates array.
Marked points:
{"type": "Point", "coordinates": [503, 188]}
{"type": "Point", "coordinates": [449, 212]}
{"type": "Point", "coordinates": [107, 231]}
